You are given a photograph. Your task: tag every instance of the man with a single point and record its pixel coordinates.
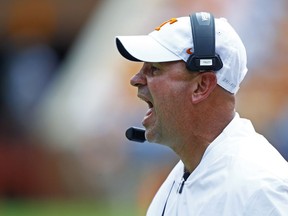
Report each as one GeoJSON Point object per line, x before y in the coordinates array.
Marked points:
{"type": "Point", "coordinates": [226, 168]}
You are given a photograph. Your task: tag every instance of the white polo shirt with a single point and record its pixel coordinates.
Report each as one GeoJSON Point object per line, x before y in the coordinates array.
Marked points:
{"type": "Point", "coordinates": [240, 173]}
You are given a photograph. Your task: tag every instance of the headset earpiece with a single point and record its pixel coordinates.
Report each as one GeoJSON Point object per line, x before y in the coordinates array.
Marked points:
{"type": "Point", "coordinates": [203, 31]}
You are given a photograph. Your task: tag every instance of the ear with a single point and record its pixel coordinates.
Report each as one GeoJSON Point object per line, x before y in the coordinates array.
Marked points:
{"type": "Point", "coordinates": [204, 85]}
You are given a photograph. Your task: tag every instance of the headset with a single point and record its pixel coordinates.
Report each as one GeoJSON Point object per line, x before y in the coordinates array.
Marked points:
{"type": "Point", "coordinates": [203, 32]}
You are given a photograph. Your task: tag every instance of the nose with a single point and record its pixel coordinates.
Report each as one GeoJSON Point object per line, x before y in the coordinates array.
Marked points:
{"type": "Point", "coordinates": [138, 79]}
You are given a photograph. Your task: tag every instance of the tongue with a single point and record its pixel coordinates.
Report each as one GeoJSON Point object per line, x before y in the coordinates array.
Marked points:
{"type": "Point", "coordinates": [149, 111]}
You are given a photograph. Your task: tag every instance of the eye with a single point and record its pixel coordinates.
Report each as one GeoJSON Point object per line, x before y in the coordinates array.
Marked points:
{"type": "Point", "coordinates": [154, 69]}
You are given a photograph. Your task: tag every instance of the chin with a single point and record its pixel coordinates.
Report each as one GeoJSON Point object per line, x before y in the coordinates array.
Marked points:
{"type": "Point", "coordinates": [152, 136]}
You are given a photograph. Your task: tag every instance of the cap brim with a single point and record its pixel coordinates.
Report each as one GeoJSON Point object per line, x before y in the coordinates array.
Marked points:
{"type": "Point", "coordinates": [143, 48]}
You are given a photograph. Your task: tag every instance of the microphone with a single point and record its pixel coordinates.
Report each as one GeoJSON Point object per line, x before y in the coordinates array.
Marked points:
{"type": "Point", "coordinates": [135, 134]}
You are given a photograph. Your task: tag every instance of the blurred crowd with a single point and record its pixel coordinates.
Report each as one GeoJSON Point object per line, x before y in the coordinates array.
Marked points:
{"type": "Point", "coordinates": [65, 100]}
{"type": "Point", "coordinates": [35, 39]}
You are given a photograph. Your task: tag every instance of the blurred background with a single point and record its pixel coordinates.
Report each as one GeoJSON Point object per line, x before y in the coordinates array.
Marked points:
{"type": "Point", "coordinates": [65, 100]}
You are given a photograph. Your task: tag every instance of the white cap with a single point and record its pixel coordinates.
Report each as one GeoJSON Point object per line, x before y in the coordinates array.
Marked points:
{"type": "Point", "coordinates": [173, 40]}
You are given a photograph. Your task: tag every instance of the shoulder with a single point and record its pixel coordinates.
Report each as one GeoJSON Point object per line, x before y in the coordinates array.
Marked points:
{"type": "Point", "coordinates": [269, 199]}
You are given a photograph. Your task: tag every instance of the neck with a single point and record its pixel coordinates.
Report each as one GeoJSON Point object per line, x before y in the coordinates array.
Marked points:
{"type": "Point", "coordinates": [204, 130]}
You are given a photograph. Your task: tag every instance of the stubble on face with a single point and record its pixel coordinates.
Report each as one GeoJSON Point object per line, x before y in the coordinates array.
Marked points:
{"type": "Point", "coordinates": [169, 93]}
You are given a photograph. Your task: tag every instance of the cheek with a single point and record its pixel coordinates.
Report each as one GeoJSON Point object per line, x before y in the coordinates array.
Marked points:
{"type": "Point", "coordinates": [170, 95]}
{"type": "Point", "coordinates": [170, 103]}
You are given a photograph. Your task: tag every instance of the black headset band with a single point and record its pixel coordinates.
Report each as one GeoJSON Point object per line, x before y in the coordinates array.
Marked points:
{"type": "Point", "coordinates": [203, 33]}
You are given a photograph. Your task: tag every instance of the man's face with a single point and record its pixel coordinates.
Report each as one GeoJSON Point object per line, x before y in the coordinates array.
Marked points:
{"type": "Point", "coordinates": [166, 87]}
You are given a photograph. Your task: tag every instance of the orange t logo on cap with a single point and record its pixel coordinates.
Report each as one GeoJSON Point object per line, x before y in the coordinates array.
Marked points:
{"type": "Point", "coordinates": [171, 21]}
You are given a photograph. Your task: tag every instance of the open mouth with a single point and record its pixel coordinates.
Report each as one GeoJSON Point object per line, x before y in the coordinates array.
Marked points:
{"type": "Point", "coordinates": [150, 108]}
{"type": "Point", "coordinates": [147, 120]}
{"type": "Point", "coordinates": [149, 113]}
{"type": "Point", "coordinates": [150, 105]}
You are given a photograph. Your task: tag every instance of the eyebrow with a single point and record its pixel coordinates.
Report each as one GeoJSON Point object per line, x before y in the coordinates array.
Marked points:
{"type": "Point", "coordinates": [157, 64]}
